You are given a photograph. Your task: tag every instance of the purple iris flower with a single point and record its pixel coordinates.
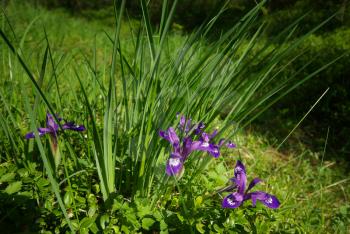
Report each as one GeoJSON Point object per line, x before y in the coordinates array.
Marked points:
{"type": "Point", "coordinates": [205, 143]}
{"type": "Point", "coordinates": [186, 126]}
{"type": "Point", "coordinates": [237, 198]}
{"type": "Point", "coordinates": [183, 148]}
{"type": "Point", "coordinates": [180, 151]}
{"type": "Point", "coordinates": [52, 128]}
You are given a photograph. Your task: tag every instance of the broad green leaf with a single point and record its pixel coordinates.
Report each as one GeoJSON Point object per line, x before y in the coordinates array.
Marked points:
{"type": "Point", "coordinates": [68, 198]}
{"type": "Point", "coordinates": [86, 222]}
{"type": "Point", "coordinates": [7, 177]}
{"type": "Point", "coordinates": [13, 187]}
{"type": "Point", "coordinates": [104, 221]}
{"type": "Point", "coordinates": [199, 227]}
{"type": "Point", "coordinates": [147, 223]}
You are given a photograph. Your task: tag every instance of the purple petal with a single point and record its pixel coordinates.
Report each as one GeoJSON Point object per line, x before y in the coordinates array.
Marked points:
{"type": "Point", "coordinates": [185, 124]}
{"type": "Point", "coordinates": [221, 142]}
{"type": "Point", "coordinates": [188, 126]}
{"type": "Point", "coordinates": [253, 183]}
{"type": "Point", "coordinates": [214, 150]}
{"type": "Point", "coordinates": [173, 138]}
{"type": "Point", "coordinates": [233, 200]}
{"type": "Point", "coordinates": [164, 135]}
{"type": "Point", "coordinates": [199, 128]}
{"type": "Point", "coordinates": [240, 177]}
{"type": "Point", "coordinates": [73, 126]}
{"type": "Point", "coordinates": [213, 134]}
{"type": "Point", "coordinates": [206, 146]}
{"type": "Point", "coordinates": [174, 165]}
{"type": "Point", "coordinates": [205, 137]}
{"type": "Point", "coordinates": [187, 147]}
{"type": "Point", "coordinates": [196, 145]}
{"type": "Point", "coordinates": [170, 135]}
{"type": "Point", "coordinates": [50, 122]}
{"type": "Point", "coordinates": [41, 131]}
{"type": "Point", "coordinates": [267, 199]}
{"type": "Point", "coordinates": [30, 135]}
{"type": "Point", "coordinates": [230, 144]}
{"type": "Point", "coordinates": [182, 121]}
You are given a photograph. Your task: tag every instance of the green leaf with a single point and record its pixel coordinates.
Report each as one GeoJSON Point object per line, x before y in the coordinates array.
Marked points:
{"type": "Point", "coordinates": [198, 201]}
{"type": "Point", "coordinates": [104, 220]}
{"type": "Point", "coordinates": [2, 170]}
{"type": "Point", "coordinates": [199, 227]}
{"type": "Point", "coordinates": [87, 222]}
{"type": "Point", "coordinates": [92, 210]}
{"type": "Point", "coordinates": [125, 229]}
{"type": "Point", "coordinates": [143, 211]}
{"type": "Point", "coordinates": [94, 228]}
{"type": "Point", "coordinates": [147, 223]}
{"type": "Point", "coordinates": [7, 177]}
{"type": "Point", "coordinates": [13, 187]}
{"type": "Point", "coordinates": [180, 217]}
{"type": "Point", "coordinates": [23, 172]}
{"type": "Point", "coordinates": [163, 226]}
{"type": "Point", "coordinates": [68, 198]}
{"type": "Point", "coordinates": [218, 229]}
{"type": "Point", "coordinates": [84, 231]}
{"type": "Point", "coordinates": [28, 194]}
{"type": "Point", "coordinates": [42, 183]}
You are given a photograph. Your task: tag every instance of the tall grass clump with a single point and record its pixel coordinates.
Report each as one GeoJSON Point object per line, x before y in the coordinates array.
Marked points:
{"type": "Point", "coordinates": [125, 98]}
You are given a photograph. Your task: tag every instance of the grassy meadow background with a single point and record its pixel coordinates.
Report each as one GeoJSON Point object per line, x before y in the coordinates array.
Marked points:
{"type": "Point", "coordinates": [126, 74]}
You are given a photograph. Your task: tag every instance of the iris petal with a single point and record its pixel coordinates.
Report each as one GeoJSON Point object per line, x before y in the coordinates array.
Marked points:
{"type": "Point", "coordinates": [253, 183]}
{"type": "Point", "coordinates": [205, 137]}
{"type": "Point", "coordinates": [164, 135]}
{"type": "Point", "coordinates": [73, 126]}
{"type": "Point", "coordinates": [30, 135]}
{"type": "Point", "coordinates": [51, 123]}
{"type": "Point", "coordinates": [173, 138]}
{"type": "Point", "coordinates": [213, 134]}
{"type": "Point", "coordinates": [174, 165]}
{"type": "Point", "coordinates": [240, 177]}
{"type": "Point", "coordinates": [214, 150]}
{"type": "Point", "coordinates": [233, 200]}
{"type": "Point", "coordinates": [198, 128]}
{"type": "Point", "coordinates": [206, 146]}
{"type": "Point", "coordinates": [230, 144]}
{"type": "Point", "coordinates": [187, 147]}
{"type": "Point", "coordinates": [41, 131]}
{"type": "Point", "coordinates": [265, 198]}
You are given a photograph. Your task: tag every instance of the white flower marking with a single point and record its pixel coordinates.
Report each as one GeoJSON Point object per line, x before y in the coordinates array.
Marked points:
{"type": "Point", "coordinates": [268, 200]}
{"type": "Point", "coordinates": [174, 162]}
{"type": "Point", "coordinates": [238, 169]}
{"type": "Point", "coordinates": [231, 202]}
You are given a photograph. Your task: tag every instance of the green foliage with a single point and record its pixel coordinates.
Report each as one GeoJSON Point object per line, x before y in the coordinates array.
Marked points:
{"type": "Point", "coordinates": [126, 87]}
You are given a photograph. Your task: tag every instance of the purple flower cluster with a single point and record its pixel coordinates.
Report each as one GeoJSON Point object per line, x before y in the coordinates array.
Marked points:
{"type": "Point", "coordinates": [237, 198]}
{"type": "Point", "coordinates": [52, 128]}
{"type": "Point", "coordinates": [194, 138]}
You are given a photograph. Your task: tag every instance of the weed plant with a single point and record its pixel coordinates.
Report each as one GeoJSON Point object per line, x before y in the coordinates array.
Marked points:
{"type": "Point", "coordinates": [124, 87]}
